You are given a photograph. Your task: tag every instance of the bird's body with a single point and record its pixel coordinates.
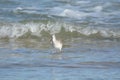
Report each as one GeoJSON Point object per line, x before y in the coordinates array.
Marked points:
{"type": "Point", "coordinates": [57, 43]}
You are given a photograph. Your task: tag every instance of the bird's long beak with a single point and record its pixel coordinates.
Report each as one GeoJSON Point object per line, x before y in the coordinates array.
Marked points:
{"type": "Point", "coordinates": [51, 40]}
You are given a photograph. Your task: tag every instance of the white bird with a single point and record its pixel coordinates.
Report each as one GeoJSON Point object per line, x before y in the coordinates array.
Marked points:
{"type": "Point", "coordinates": [57, 43]}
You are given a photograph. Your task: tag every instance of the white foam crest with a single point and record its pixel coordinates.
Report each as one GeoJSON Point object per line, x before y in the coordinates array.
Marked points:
{"type": "Point", "coordinates": [5, 32]}
{"type": "Point", "coordinates": [17, 30]}
{"type": "Point", "coordinates": [104, 32]}
{"type": "Point", "coordinates": [73, 14]}
{"type": "Point", "coordinates": [29, 10]}
{"type": "Point", "coordinates": [88, 31]}
{"type": "Point", "coordinates": [98, 8]}
{"type": "Point", "coordinates": [19, 8]}
{"type": "Point", "coordinates": [68, 11]}
{"type": "Point", "coordinates": [36, 29]}
{"type": "Point", "coordinates": [82, 2]}
{"type": "Point", "coordinates": [56, 10]}
{"type": "Point", "coordinates": [54, 27]}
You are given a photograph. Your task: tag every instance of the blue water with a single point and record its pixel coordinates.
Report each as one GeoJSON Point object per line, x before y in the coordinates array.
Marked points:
{"type": "Point", "coordinates": [89, 29]}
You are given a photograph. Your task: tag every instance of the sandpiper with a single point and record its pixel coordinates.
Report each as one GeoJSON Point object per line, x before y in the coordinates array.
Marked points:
{"type": "Point", "coordinates": [57, 43]}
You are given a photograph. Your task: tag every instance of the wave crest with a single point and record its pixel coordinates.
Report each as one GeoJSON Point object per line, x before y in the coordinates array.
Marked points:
{"type": "Point", "coordinates": [18, 30]}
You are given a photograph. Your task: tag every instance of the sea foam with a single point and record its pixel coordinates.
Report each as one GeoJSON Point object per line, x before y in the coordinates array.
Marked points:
{"type": "Point", "coordinates": [17, 30]}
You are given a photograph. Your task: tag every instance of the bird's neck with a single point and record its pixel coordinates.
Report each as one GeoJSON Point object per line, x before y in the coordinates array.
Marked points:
{"type": "Point", "coordinates": [54, 38]}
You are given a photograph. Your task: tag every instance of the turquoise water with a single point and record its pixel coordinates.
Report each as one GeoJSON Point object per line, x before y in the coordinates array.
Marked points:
{"type": "Point", "coordinates": [89, 30]}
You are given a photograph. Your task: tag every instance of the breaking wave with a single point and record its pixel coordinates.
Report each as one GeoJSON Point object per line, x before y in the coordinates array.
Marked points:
{"type": "Point", "coordinates": [38, 30]}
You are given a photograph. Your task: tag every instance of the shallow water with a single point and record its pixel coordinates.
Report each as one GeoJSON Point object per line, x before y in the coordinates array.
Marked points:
{"type": "Point", "coordinates": [90, 31]}
{"type": "Point", "coordinates": [78, 61]}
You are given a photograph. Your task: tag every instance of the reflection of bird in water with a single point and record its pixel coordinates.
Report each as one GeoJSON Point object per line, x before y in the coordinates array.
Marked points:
{"type": "Point", "coordinates": [57, 43]}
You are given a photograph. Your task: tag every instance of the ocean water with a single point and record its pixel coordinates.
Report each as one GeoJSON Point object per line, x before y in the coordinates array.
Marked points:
{"type": "Point", "coordinates": [89, 30]}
